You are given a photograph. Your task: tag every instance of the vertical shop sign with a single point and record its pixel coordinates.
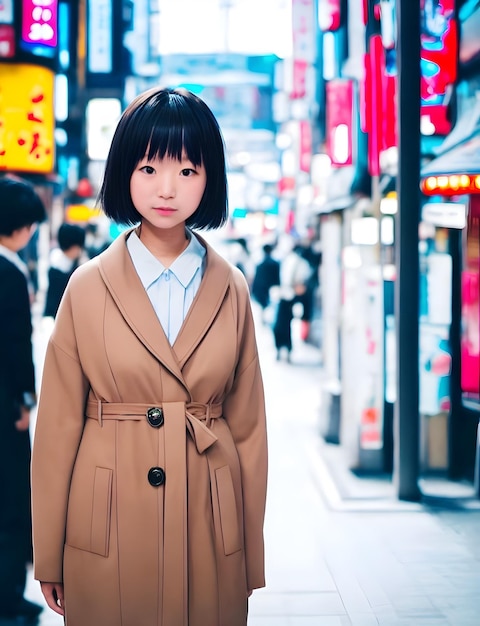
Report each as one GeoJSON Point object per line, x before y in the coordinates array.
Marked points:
{"type": "Point", "coordinates": [305, 146]}
{"type": "Point", "coordinates": [303, 28]}
{"type": "Point", "coordinates": [6, 11]}
{"type": "Point", "coordinates": [7, 32]}
{"type": "Point", "coordinates": [374, 75]}
{"type": "Point", "coordinates": [371, 417]}
{"type": "Point", "coordinates": [7, 41]}
{"type": "Point", "coordinates": [329, 15]}
{"type": "Point", "coordinates": [39, 23]}
{"type": "Point", "coordinates": [339, 121]}
{"type": "Point", "coordinates": [100, 25]}
{"type": "Point", "coordinates": [438, 62]}
{"type": "Point", "coordinates": [470, 340]}
{"type": "Point", "coordinates": [26, 118]}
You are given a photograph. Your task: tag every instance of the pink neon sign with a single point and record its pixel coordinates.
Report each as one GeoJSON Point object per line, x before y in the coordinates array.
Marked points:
{"type": "Point", "coordinates": [39, 22]}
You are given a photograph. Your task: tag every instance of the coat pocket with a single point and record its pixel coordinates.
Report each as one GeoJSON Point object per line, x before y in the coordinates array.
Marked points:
{"type": "Point", "coordinates": [228, 510]}
{"type": "Point", "coordinates": [88, 526]}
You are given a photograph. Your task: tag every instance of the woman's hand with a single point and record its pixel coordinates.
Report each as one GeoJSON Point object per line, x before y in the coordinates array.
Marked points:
{"type": "Point", "coordinates": [53, 593]}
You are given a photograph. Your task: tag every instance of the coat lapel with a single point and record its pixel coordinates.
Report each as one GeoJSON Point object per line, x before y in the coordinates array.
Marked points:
{"type": "Point", "coordinates": [126, 289]}
{"type": "Point", "coordinates": [205, 306]}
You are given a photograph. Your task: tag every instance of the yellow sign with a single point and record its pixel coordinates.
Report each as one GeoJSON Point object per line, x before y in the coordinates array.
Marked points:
{"type": "Point", "coordinates": [81, 213]}
{"type": "Point", "coordinates": [27, 121]}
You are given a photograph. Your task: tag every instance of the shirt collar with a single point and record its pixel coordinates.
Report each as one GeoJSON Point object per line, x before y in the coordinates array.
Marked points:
{"type": "Point", "coordinates": [149, 268]}
{"type": "Point", "coordinates": [14, 258]}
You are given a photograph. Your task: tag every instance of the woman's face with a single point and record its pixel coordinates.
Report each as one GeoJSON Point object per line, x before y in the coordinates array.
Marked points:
{"type": "Point", "coordinates": [166, 192]}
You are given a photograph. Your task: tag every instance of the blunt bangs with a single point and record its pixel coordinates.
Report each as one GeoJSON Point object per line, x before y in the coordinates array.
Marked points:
{"type": "Point", "coordinates": [172, 123]}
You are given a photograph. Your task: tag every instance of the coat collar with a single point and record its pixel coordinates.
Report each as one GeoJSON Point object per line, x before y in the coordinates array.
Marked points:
{"type": "Point", "coordinates": [125, 287]}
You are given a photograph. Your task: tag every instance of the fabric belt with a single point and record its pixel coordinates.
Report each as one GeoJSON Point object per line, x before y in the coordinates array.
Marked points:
{"type": "Point", "coordinates": [179, 417]}
{"type": "Point", "coordinates": [198, 415]}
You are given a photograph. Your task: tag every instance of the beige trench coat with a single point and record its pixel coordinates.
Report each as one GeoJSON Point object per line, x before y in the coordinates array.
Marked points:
{"type": "Point", "coordinates": [150, 517]}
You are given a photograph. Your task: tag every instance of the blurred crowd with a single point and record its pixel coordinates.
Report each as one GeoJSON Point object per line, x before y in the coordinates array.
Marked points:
{"type": "Point", "coordinates": [283, 276]}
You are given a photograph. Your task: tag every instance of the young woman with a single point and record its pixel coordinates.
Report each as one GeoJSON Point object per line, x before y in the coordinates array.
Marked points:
{"type": "Point", "coordinates": [150, 458]}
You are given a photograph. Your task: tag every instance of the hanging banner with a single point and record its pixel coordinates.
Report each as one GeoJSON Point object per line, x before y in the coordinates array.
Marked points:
{"type": "Point", "coordinates": [27, 121]}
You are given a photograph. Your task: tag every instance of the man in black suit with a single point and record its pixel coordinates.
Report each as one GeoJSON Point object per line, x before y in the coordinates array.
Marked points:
{"type": "Point", "coordinates": [267, 275]}
{"type": "Point", "coordinates": [20, 210]}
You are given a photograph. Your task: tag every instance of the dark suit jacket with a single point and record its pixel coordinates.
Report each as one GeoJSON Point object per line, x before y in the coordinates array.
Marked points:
{"type": "Point", "coordinates": [57, 283]}
{"type": "Point", "coordinates": [16, 377]}
{"type": "Point", "coordinates": [267, 274]}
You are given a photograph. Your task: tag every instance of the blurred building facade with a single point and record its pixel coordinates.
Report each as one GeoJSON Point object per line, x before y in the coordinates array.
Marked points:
{"type": "Point", "coordinates": [313, 153]}
{"type": "Point", "coordinates": [354, 178]}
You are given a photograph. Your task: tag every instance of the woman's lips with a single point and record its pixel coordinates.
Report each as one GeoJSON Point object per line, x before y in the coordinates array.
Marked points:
{"type": "Point", "coordinates": [165, 210]}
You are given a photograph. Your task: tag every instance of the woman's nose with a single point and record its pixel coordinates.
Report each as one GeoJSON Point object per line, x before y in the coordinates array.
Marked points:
{"type": "Point", "coordinates": [166, 186]}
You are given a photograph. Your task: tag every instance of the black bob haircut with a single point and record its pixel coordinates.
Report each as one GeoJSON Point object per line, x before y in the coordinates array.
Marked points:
{"type": "Point", "coordinates": [70, 235]}
{"type": "Point", "coordinates": [166, 122]}
{"type": "Point", "coordinates": [20, 205]}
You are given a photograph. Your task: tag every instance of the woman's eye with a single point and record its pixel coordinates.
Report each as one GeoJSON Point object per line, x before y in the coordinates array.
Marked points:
{"type": "Point", "coordinates": [187, 171]}
{"type": "Point", "coordinates": [148, 169]}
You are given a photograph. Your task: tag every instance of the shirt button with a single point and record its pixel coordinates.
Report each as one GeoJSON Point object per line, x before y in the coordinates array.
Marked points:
{"type": "Point", "coordinates": [167, 275]}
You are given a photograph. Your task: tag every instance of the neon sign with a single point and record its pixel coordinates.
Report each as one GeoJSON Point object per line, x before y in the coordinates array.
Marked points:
{"type": "Point", "coordinates": [39, 23]}
{"type": "Point", "coordinates": [438, 63]}
{"type": "Point", "coordinates": [329, 15]}
{"type": "Point", "coordinates": [26, 118]}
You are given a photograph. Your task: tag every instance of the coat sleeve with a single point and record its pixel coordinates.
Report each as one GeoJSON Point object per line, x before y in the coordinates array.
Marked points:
{"type": "Point", "coordinates": [244, 410]}
{"type": "Point", "coordinates": [58, 430]}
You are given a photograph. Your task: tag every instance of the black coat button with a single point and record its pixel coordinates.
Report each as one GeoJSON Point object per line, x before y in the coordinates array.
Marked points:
{"type": "Point", "coordinates": [155, 417]}
{"type": "Point", "coordinates": [156, 476]}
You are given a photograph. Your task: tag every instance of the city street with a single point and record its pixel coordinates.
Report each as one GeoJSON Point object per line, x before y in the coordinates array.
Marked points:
{"type": "Point", "coordinates": [332, 560]}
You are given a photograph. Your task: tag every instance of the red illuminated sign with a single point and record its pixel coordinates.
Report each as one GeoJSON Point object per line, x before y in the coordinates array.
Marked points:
{"type": "Point", "coordinates": [7, 41]}
{"type": "Point", "coordinates": [339, 121]}
{"type": "Point", "coordinates": [438, 62]}
{"type": "Point", "coordinates": [299, 88]}
{"type": "Point", "coordinates": [329, 15]}
{"type": "Point", "coordinates": [470, 340]}
{"type": "Point", "coordinates": [374, 102]}
{"type": "Point", "coordinates": [39, 22]}
{"type": "Point", "coordinates": [305, 146]}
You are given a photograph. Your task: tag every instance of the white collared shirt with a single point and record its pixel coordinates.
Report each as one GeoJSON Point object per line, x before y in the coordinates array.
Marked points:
{"type": "Point", "coordinates": [171, 290]}
{"type": "Point", "coordinates": [14, 258]}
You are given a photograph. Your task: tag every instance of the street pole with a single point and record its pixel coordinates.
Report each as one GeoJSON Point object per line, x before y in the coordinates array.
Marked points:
{"type": "Point", "coordinates": [406, 412]}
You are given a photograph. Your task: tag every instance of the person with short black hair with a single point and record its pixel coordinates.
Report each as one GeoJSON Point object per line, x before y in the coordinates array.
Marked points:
{"type": "Point", "coordinates": [64, 260]}
{"type": "Point", "coordinates": [20, 210]}
{"type": "Point", "coordinates": [150, 455]}
{"type": "Point", "coordinates": [267, 275]}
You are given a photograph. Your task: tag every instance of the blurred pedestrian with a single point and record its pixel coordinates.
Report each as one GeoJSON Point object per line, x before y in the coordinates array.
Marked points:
{"type": "Point", "coordinates": [267, 275]}
{"type": "Point", "coordinates": [294, 274]}
{"type": "Point", "coordinates": [239, 255]}
{"type": "Point", "coordinates": [149, 459]}
{"type": "Point", "coordinates": [308, 298]}
{"type": "Point", "coordinates": [64, 260]}
{"type": "Point", "coordinates": [97, 236]}
{"type": "Point", "coordinates": [20, 210]}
